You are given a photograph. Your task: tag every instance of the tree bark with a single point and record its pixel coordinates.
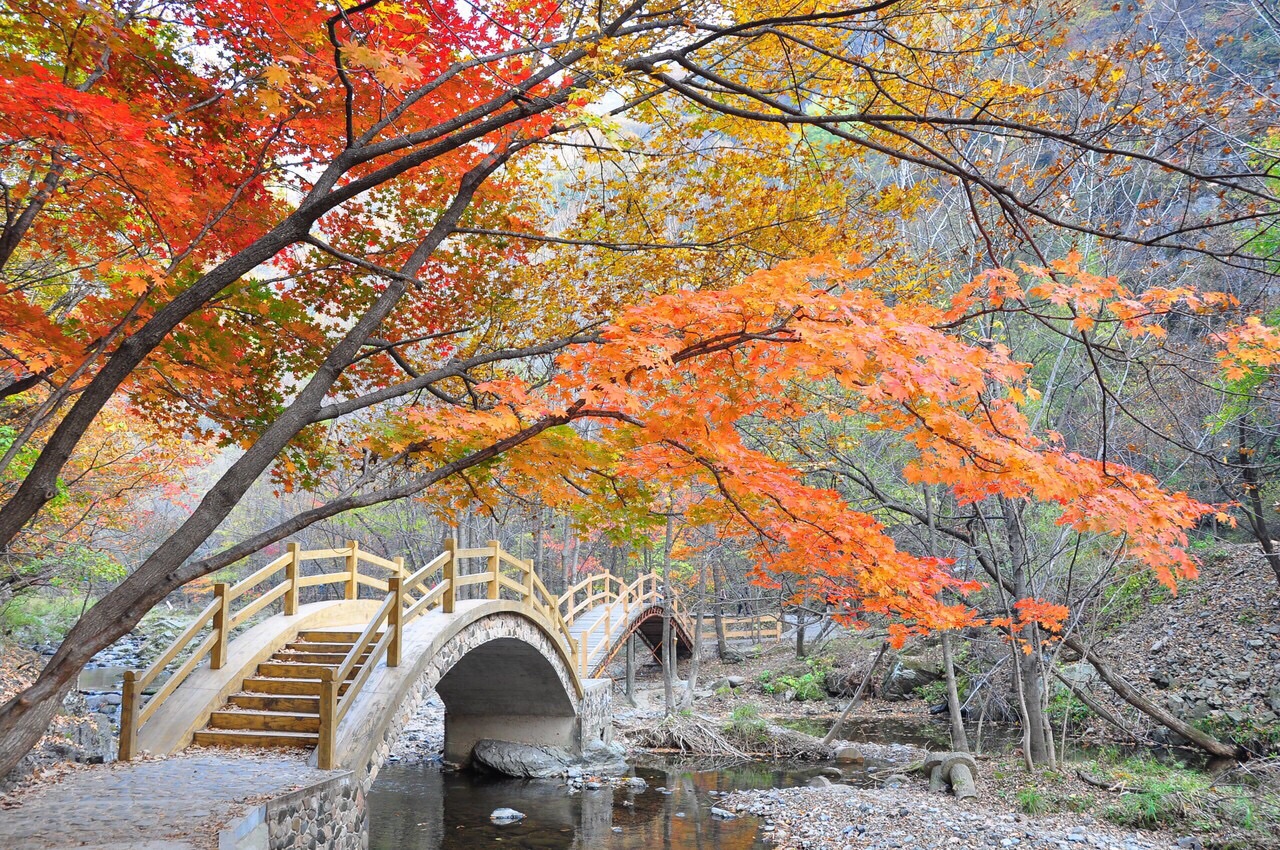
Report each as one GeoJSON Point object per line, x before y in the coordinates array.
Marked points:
{"type": "Point", "coordinates": [722, 645]}
{"type": "Point", "coordinates": [1030, 678]}
{"type": "Point", "coordinates": [1253, 498]}
{"type": "Point", "coordinates": [695, 662]}
{"type": "Point", "coordinates": [24, 718]}
{"type": "Point", "coordinates": [668, 657]}
{"type": "Point", "coordinates": [1129, 694]}
{"type": "Point", "coordinates": [857, 696]}
{"type": "Point", "coordinates": [959, 740]}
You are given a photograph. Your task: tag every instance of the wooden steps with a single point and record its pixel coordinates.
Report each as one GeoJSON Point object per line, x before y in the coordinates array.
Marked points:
{"type": "Point", "coordinates": [249, 738]}
{"type": "Point", "coordinates": [279, 706]}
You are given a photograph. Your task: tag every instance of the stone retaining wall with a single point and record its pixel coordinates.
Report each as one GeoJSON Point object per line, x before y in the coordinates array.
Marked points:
{"type": "Point", "coordinates": [330, 815]}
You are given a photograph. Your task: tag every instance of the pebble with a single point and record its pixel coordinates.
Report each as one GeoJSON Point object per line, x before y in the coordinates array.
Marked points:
{"type": "Point", "coordinates": [906, 817]}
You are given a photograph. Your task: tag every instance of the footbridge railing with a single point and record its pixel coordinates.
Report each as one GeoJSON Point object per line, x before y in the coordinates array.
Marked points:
{"type": "Point", "coordinates": [487, 572]}
{"type": "Point", "coordinates": [232, 606]}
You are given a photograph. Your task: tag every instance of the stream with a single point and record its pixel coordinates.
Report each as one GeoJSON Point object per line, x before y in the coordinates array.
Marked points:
{"type": "Point", "coordinates": [423, 807]}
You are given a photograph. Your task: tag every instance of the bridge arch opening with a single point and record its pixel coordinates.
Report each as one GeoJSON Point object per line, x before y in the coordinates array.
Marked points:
{"type": "Point", "coordinates": [509, 690]}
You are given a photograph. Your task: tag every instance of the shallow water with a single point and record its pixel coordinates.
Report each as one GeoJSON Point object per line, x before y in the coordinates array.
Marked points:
{"type": "Point", "coordinates": [416, 807]}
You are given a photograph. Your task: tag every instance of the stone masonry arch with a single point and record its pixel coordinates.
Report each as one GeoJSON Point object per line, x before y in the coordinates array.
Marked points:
{"type": "Point", "coordinates": [501, 674]}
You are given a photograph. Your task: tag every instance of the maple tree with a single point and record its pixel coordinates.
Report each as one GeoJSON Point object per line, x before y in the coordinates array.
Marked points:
{"type": "Point", "coordinates": [318, 234]}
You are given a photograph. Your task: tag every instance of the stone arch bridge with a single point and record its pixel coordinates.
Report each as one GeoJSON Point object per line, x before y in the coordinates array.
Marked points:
{"type": "Point", "coordinates": [509, 660]}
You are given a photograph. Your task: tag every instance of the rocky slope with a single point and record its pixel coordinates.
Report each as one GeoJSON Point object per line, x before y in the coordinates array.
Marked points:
{"type": "Point", "coordinates": [1212, 653]}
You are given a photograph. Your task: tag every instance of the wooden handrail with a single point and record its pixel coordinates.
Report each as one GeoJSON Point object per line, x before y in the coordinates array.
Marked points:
{"type": "Point", "coordinates": [223, 618]}
{"type": "Point", "coordinates": [406, 598]}
{"type": "Point", "coordinates": [257, 577]}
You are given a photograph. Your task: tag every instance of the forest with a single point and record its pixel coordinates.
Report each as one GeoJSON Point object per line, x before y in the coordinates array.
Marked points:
{"type": "Point", "coordinates": [920, 320]}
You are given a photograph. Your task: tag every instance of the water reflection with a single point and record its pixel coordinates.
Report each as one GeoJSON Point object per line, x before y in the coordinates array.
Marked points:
{"type": "Point", "coordinates": [420, 806]}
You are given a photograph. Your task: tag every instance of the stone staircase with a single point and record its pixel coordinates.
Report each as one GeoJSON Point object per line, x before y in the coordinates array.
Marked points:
{"type": "Point", "coordinates": [280, 705]}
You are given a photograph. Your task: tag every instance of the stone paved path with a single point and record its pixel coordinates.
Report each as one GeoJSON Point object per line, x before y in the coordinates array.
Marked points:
{"type": "Point", "coordinates": [179, 803]}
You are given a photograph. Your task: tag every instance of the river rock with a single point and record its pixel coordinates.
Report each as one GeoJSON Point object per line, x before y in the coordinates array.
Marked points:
{"type": "Point", "coordinates": [525, 761]}
{"type": "Point", "coordinates": [529, 761]}
{"type": "Point", "coordinates": [849, 755]}
{"type": "Point", "coordinates": [603, 759]}
{"type": "Point", "coordinates": [907, 674]}
{"type": "Point", "coordinates": [506, 816]}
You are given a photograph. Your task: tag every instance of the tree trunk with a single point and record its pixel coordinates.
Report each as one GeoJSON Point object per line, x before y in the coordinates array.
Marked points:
{"type": "Point", "coordinates": [1030, 677]}
{"type": "Point", "coordinates": [959, 740]}
{"type": "Point", "coordinates": [668, 657]}
{"type": "Point", "coordinates": [722, 645]}
{"type": "Point", "coordinates": [857, 696]}
{"type": "Point", "coordinates": [1253, 498]}
{"type": "Point", "coordinates": [1129, 694]}
{"type": "Point", "coordinates": [697, 634]}
{"type": "Point", "coordinates": [801, 621]}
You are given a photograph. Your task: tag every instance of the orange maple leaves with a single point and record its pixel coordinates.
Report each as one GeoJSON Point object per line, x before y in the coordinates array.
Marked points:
{"type": "Point", "coordinates": [674, 382]}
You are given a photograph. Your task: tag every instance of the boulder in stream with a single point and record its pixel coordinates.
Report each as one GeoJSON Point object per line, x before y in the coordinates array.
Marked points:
{"type": "Point", "coordinates": [530, 761]}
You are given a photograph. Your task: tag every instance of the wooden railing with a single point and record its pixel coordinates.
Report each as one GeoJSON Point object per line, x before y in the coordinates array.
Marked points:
{"type": "Point", "coordinates": [451, 576]}
{"type": "Point", "coordinates": [409, 598]}
{"type": "Point", "coordinates": [607, 589]}
{"type": "Point", "coordinates": [749, 627]}
{"type": "Point", "coordinates": [222, 615]}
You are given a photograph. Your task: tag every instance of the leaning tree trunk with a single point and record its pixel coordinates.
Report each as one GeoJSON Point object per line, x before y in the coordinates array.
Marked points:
{"type": "Point", "coordinates": [25, 717]}
{"type": "Point", "coordinates": [857, 696]}
{"type": "Point", "coordinates": [1131, 695]}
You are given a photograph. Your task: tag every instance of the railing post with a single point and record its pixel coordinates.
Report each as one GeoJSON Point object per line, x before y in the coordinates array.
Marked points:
{"type": "Point", "coordinates": [450, 573]}
{"type": "Point", "coordinates": [495, 567]}
{"type": "Point", "coordinates": [291, 575]}
{"type": "Point", "coordinates": [130, 704]}
{"type": "Point", "coordinates": [527, 566]}
{"type": "Point", "coordinates": [218, 656]}
{"type": "Point", "coordinates": [353, 569]}
{"type": "Point", "coordinates": [328, 719]}
{"type": "Point", "coordinates": [395, 621]}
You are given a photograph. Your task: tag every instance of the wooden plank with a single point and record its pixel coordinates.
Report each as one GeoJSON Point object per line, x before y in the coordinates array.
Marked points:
{"type": "Point", "coordinates": [483, 552]}
{"type": "Point", "coordinates": [257, 577]}
{"type": "Point", "coordinates": [317, 554]}
{"type": "Point", "coordinates": [379, 650]}
{"type": "Point", "coordinates": [376, 584]}
{"type": "Point", "coordinates": [257, 605]}
{"type": "Point", "coordinates": [427, 569]}
{"type": "Point", "coordinates": [522, 566]}
{"type": "Point", "coordinates": [171, 684]}
{"type": "Point", "coordinates": [475, 578]}
{"type": "Point", "coordinates": [432, 596]}
{"type": "Point", "coordinates": [377, 561]}
{"type": "Point", "coordinates": [323, 578]}
{"type": "Point", "coordinates": [201, 620]}
{"type": "Point", "coordinates": [365, 639]}
{"type": "Point", "coordinates": [511, 584]}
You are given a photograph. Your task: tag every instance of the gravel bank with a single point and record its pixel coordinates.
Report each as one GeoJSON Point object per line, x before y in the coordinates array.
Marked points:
{"type": "Point", "coordinates": [843, 817]}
